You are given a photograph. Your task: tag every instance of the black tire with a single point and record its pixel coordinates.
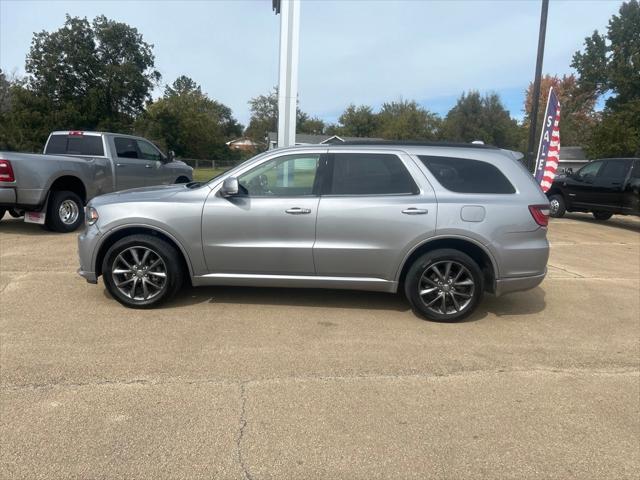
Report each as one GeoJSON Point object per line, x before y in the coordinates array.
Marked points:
{"type": "Point", "coordinates": [462, 307]}
{"type": "Point", "coordinates": [59, 222]}
{"type": "Point", "coordinates": [171, 263]}
{"type": "Point", "coordinates": [557, 206]}
{"type": "Point", "coordinates": [2, 212]}
{"type": "Point", "coordinates": [602, 215]}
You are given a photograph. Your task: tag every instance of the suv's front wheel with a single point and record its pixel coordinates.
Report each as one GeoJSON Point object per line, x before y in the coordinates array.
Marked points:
{"type": "Point", "coordinates": [142, 271]}
{"type": "Point", "coordinates": [444, 285]}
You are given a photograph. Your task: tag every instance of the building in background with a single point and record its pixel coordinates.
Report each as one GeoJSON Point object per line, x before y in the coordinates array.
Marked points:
{"type": "Point", "coordinates": [571, 157]}
{"type": "Point", "coordinates": [308, 139]}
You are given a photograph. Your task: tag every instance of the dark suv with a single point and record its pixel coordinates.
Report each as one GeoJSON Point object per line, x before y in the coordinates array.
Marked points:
{"type": "Point", "coordinates": [602, 187]}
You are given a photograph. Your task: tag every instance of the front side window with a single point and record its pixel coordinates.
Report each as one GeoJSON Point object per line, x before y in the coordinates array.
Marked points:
{"type": "Point", "coordinates": [589, 171]}
{"type": "Point", "coordinates": [289, 175]}
{"type": "Point", "coordinates": [126, 147]}
{"type": "Point", "coordinates": [148, 151]}
{"type": "Point", "coordinates": [370, 174]}
{"type": "Point", "coordinates": [463, 175]}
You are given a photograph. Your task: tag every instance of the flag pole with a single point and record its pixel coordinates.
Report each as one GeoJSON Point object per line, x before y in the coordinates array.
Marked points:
{"type": "Point", "coordinates": [536, 85]}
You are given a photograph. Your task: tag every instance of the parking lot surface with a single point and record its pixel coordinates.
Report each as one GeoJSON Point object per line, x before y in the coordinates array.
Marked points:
{"type": "Point", "coordinates": [273, 383]}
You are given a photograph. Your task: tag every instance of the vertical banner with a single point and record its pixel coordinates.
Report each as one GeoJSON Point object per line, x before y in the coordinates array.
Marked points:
{"type": "Point", "coordinates": [549, 149]}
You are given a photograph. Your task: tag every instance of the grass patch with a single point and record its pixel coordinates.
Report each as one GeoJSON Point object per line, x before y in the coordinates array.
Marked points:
{"type": "Point", "coordinates": [204, 174]}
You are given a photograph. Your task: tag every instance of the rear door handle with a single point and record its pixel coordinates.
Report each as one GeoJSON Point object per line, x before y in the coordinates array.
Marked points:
{"type": "Point", "coordinates": [121, 165]}
{"type": "Point", "coordinates": [147, 166]}
{"type": "Point", "coordinates": [415, 211]}
{"type": "Point", "coordinates": [298, 211]}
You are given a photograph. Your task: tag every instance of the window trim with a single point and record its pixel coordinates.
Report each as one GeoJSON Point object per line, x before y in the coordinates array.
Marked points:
{"type": "Point", "coordinates": [89, 134]}
{"type": "Point", "coordinates": [328, 181]}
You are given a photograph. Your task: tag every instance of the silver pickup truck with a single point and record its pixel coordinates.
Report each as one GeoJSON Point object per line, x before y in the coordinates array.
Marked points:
{"type": "Point", "coordinates": [52, 188]}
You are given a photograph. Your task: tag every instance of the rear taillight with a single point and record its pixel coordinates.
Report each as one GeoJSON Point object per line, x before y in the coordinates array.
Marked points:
{"type": "Point", "coordinates": [6, 171]}
{"type": "Point", "coordinates": [540, 214]}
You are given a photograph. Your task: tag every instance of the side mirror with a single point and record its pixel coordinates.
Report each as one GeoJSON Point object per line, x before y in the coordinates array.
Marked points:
{"type": "Point", "coordinates": [171, 156]}
{"type": "Point", "coordinates": [229, 187]}
{"type": "Point", "coordinates": [569, 171]}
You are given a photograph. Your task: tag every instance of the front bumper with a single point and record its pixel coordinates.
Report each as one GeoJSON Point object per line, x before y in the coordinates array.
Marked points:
{"type": "Point", "coordinates": [90, 277]}
{"type": "Point", "coordinates": [518, 284]}
{"type": "Point", "coordinates": [88, 242]}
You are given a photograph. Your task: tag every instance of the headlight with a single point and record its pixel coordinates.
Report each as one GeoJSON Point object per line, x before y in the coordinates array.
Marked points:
{"type": "Point", "coordinates": [90, 215]}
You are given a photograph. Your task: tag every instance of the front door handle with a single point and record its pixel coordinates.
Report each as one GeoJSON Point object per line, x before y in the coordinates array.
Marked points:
{"type": "Point", "coordinates": [297, 211]}
{"type": "Point", "coordinates": [147, 166]}
{"type": "Point", "coordinates": [121, 164]}
{"type": "Point", "coordinates": [415, 211]}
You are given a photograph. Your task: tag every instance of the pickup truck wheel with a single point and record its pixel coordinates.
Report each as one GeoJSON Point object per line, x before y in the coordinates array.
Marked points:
{"type": "Point", "coordinates": [444, 285]}
{"type": "Point", "coordinates": [65, 212]}
{"type": "Point", "coordinates": [142, 271]}
{"type": "Point", "coordinates": [557, 207]}
{"type": "Point", "coordinates": [602, 215]}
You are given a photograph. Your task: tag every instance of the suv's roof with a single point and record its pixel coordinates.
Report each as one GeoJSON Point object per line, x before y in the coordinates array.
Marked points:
{"type": "Point", "coordinates": [410, 143]}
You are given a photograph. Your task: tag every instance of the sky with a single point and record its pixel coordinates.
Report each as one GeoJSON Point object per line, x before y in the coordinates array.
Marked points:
{"type": "Point", "coordinates": [351, 51]}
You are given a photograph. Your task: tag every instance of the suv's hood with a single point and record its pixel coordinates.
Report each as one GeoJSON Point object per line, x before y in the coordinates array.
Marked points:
{"type": "Point", "coordinates": [144, 194]}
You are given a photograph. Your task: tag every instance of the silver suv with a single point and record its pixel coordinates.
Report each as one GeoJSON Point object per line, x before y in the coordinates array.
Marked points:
{"type": "Point", "coordinates": [443, 223]}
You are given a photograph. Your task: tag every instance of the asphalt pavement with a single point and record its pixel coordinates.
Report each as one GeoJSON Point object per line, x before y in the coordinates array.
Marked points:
{"type": "Point", "coordinates": [248, 383]}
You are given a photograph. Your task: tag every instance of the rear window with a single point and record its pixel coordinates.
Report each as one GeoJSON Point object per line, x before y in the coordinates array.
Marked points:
{"type": "Point", "coordinates": [463, 175]}
{"type": "Point", "coordinates": [370, 174]}
{"type": "Point", "coordinates": [87, 145]}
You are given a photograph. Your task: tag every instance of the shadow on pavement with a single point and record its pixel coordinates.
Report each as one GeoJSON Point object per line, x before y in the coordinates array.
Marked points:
{"type": "Point", "coordinates": [626, 222]}
{"type": "Point", "coordinates": [523, 303]}
{"type": "Point", "coordinates": [18, 226]}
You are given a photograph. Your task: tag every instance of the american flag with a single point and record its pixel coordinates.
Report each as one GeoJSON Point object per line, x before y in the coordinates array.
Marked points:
{"type": "Point", "coordinates": [549, 149]}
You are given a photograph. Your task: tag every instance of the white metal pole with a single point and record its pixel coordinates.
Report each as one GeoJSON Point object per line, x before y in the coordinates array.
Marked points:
{"type": "Point", "coordinates": [288, 81]}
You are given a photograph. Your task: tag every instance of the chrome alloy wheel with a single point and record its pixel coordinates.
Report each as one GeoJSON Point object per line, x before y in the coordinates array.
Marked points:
{"type": "Point", "coordinates": [554, 206]}
{"type": "Point", "coordinates": [69, 212]}
{"type": "Point", "coordinates": [139, 273]}
{"type": "Point", "coordinates": [446, 287]}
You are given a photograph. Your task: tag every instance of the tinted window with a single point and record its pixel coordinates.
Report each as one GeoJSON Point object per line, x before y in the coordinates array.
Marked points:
{"type": "Point", "coordinates": [614, 169]}
{"type": "Point", "coordinates": [148, 151]}
{"type": "Point", "coordinates": [88, 145]}
{"type": "Point", "coordinates": [590, 170]}
{"type": "Point", "coordinates": [288, 175]}
{"type": "Point", "coordinates": [636, 169]}
{"type": "Point", "coordinates": [463, 175]}
{"type": "Point", "coordinates": [126, 147]}
{"type": "Point", "coordinates": [370, 174]}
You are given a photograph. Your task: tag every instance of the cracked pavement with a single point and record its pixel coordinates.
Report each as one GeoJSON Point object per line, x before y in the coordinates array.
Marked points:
{"type": "Point", "coordinates": [273, 383]}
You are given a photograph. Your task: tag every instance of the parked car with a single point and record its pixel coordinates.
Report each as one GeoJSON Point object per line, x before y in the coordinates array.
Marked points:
{"type": "Point", "coordinates": [442, 223]}
{"type": "Point", "coordinates": [53, 188]}
{"type": "Point", "coordinates": [602, 187]}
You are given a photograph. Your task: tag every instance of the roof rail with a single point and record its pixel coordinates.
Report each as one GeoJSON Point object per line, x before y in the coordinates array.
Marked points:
{"type": "Point", "coordinates": [411, 143]}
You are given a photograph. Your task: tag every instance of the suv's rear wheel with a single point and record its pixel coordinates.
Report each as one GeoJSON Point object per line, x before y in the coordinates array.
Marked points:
{"type": "Point", "coordinates": [142, 271]}
{"type": "Point", "coordinates": [444, 285]}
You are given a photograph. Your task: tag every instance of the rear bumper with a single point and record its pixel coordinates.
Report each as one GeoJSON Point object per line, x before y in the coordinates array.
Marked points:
{"type": "Point", "coordinates": [7, 196]}
{"type": "Point", "coordinates": [518, 284]}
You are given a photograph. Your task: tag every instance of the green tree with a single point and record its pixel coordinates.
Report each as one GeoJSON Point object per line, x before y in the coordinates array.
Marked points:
{"type": "Point", "coordinates": [358, 121]}
{"type": "Point", "coordinates": [609, 67]}
{"type": "Point", "coordinates": [93, 75]}
{"type": "Point", "coordinates": [576, 104]}
{"type": "Point", "coordinates": [188, 122]}
{"type": "Point", "coordinates": [476, 117]}
{"type": "Point", "coordinates": [264, 118]}
{"type": "Point", "coordinates": [406, 120]}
